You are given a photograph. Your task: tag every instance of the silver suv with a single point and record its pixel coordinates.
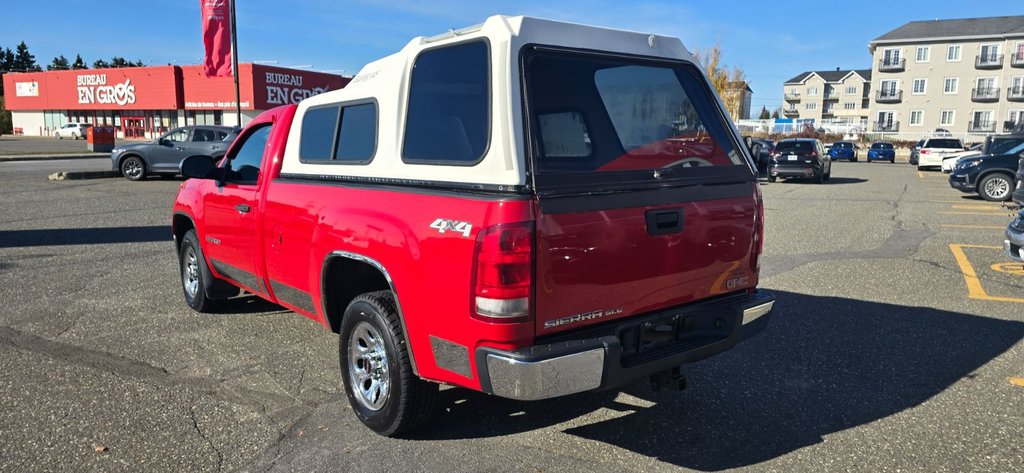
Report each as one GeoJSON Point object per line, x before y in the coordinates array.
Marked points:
{"type": "Point", "coordinates": [136, 161]}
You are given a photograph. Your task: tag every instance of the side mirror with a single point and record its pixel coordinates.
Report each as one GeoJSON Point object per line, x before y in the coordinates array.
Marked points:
{"type": "Point", "coordinates": [198, 167]}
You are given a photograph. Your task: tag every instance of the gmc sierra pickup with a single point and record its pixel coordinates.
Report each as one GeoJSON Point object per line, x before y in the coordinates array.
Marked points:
{"type": "Point", "coordinates": [526, 207]}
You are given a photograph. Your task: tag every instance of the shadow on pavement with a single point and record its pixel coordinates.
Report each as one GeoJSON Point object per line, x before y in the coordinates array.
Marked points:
{"type": "Point", "coordinates": [823, 365]}
{"type": "Point", "coordinates": [84, 236]}
{"type": "Point", "coordinates": [247, 304]}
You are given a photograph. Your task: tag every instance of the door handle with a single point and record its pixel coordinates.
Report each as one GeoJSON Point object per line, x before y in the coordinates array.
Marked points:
{"type": "Point", "coordinates": [179, 148]}
{"type": "Point", "coordinates": [664, 222]}
{"type": "Point", "coordinates": [242, 208]}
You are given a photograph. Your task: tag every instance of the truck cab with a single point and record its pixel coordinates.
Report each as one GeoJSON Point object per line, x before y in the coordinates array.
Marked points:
{"type": "Point", "coordinates": [525, 207]}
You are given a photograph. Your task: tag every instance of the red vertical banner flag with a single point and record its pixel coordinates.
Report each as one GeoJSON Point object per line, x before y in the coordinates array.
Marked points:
{"type": "Point", "coordinates": [216, 38]}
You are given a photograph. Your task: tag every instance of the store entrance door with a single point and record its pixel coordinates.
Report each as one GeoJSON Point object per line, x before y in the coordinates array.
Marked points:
{"type": "Point", "coordinates": [133, 127]}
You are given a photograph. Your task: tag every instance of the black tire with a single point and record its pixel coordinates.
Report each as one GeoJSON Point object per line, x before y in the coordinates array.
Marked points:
{"type": "Point", "coordinates": [820, 178]}
{"type": "Point", "coordinates": [892, 160]}
{"type": "Point", "coordinates": [133, 168]}
{"type": "Point", "coordinates": [193, 271]}
{"type": "Point", "coordinates": [371, 321]}
{"type": "Point", "coordinates": [827, 175]}
{"type": "Point", "coordinates": [996, 187]}
{"type": "Point", "coordinates": [59, 137]}
{"type": "Point", "coordinates": [772, 178]}
{"type": "Point", "coordinates": [74, 136]}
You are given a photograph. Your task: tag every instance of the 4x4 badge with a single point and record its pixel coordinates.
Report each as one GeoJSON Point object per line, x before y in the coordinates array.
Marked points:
{"type": "Point", "coordinates": [443, 225]}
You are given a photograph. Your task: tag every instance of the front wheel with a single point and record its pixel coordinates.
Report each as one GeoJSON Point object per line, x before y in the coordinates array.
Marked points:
{"type": "Point", "coordinates": [133, 169]}
{"type": "Point", "coordinates": [192, 265]}
{"type": "Point", "coordinates": [74, 136]}
{"type": "Point", "coordinates": [382, 390]}
{"type": "Point", "coordinates": [59, 137]}
{"type": "Point", "coordinates": [995, 187]}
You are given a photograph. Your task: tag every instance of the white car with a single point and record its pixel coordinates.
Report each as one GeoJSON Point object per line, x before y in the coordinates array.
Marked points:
{"type": "Point", "coordinates": [950, 160]}
{"type": "Point", "coordinates": [935, 149]}
{"type": "Point", "coordinates": [71, 130]}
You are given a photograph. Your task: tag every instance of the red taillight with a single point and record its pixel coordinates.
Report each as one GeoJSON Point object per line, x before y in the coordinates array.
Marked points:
{"type": "Point", "coordinates": [924, 151]}
{"type": "Point", "coordinates": [503, 273]}
{"type": "Point", "coordinates": [758, 231]}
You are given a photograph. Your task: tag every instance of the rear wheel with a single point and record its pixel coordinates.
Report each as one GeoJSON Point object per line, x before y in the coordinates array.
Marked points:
{"type": "Point", "coordinates": [382, 390]}
{"type": "Point", "coordinates": [74, 136]}
{"type": "Point", "coordinates": [58, 136]}
{"type": "Point", "coordinates": [995, 187]}
{"type": "Point", "coordinates": [892, 160]}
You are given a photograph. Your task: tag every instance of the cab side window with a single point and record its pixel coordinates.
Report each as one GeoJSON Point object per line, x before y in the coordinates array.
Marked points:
{"type": "Point", "coordinates": [245, 162]}
{"type": "Point", "coordinates": [204, 135]}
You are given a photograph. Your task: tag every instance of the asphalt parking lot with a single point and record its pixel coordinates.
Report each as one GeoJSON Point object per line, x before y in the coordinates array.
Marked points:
{"type": "Point", "coordinates": [895, 346]}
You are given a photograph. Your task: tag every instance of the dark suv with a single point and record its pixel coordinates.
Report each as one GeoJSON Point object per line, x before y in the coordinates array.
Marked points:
{"type": "Point", "coordinates": [991, 175]}
{"type": "Point", "coordinates": [136, 161]}
{"type": "Point", "coordinates": [800, 157]}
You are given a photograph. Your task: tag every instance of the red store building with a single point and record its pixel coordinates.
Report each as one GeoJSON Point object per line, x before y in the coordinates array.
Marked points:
{"type": "Point", "coordinates": [143, 102]}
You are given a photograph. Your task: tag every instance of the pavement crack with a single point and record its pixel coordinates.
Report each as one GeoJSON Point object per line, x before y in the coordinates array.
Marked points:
{"type": "Point", "coordinates": [195, 425]}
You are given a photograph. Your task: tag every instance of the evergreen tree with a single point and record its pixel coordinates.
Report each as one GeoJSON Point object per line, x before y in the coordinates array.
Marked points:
{"type": "Point", "coordinates": [118, 61]}
{"type": "Point", "coordinates": [138, 63]}
{"type": "Point", "coordinates": [775, 113]}
{"type": "Point", "coordinates": [100, 64]}
{"type": "Point", "coordinates": [764, 114]}
{"type": "Point", "coordinates": [60, 63]}
{"type": "Point", "coordinates": [23, 60]}
{"type": "Point", "coordinates": [79, 63]}
{"type": "Point", "coordinates": [8, 60]}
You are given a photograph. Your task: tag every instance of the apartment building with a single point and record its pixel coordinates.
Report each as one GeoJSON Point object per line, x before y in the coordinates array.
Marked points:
{"type": "Point", "coordinates": [737, 97]}
{"type": "Point", "coordinates": [965, 76]}
{"type": "Point", "coordinates": [832, 96]}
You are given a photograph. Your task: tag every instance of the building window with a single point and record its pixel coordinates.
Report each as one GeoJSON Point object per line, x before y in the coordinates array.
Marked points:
{"type": "Point", "coordinates": [851, 90]}
{"type": "Point", "coordinates": [811, 106]}
{"type": "Point", "coordinates": [989, 53]}
{"type": "Point", "coordinates": [950, 85]}
{"type": "Point", "coordinates": [448, 117]}
{"type": "Point", "coordinates": [916, 117]}
{"type": "Point", "coordinates": [923, 53]}
{"type": "Point", "coordinates": [946, 117]}
{"type": "Point", "coordinates": [919, 86]}
{"type": "Point", "coordinates": [850, 106]}
{"type": "Point", "coordinates": [953, 53]}
{"type": "Point", "coordinates": [812, 91]}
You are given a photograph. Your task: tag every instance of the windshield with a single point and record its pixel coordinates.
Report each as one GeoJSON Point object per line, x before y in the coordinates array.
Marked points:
{"type": "Point", "coordinates": [842, 145]}
{"type": "Point", "coordinates": [1006, 146]}
{"type": "Point", "coordinates": [599, 114]}
{"type": "Point", "coordinates": [944, 143]}
{"type": "Point", "coordinates": [881, 146]}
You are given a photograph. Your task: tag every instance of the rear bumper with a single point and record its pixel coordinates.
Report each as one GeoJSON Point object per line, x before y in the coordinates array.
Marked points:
{"type": "Point", "coordinates": [794, 170]}
{"type": "Point", "coordinates": [622, 352]}
{"type": "Point", "coordinates": [881, 157]}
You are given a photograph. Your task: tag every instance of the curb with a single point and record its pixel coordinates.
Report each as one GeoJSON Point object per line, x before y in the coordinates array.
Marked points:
{"type": "Point", "coordinates": [4, 159]}
{"type": "Point", "coordinates": [78, 175]}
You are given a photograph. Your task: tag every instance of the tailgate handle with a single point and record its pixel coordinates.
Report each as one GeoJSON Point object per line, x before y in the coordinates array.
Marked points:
{"type": "Point", "coordinates": [664, 222]}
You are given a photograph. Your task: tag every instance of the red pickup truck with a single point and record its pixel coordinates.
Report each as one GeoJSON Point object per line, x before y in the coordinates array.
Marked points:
{"type": "Point", "coordinates": [525, 207]}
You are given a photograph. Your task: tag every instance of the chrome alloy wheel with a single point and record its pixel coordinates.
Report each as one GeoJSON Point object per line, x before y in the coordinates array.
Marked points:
{"type": "Point", "coordinates": [190, 273]}
{"type": "Point", "coordinates": [368, 366]}
{"type": "Point", "coordinates": [997, 188]}
{"type": "Point", "coordinates": [132, 169]}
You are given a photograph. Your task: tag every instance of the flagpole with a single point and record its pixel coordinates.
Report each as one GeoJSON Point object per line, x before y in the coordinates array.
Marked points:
{"type": "Point", "coordinates": [234, 62]}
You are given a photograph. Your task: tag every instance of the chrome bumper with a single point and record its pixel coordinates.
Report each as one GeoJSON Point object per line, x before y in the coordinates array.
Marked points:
{"type": "Point", "coordinates": [569, 367]}
{"type": "Point", "coordinates": [530, 381]}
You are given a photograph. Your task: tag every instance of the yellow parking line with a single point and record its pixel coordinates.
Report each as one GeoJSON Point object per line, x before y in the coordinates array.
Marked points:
{"type": "Point", "coordinates": [993, 214]}
{"type": "Point", "coordinates": [977, 207]}
{"type": "Point", "coordinates": [1017, 381]}
{"type": "Point", "coordinates": [982, 227]}
{"type": "Point", "coordinates": [974, 289]}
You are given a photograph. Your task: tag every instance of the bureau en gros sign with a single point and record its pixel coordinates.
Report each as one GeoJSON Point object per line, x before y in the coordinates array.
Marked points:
{"type": "Point", "coordinates": [93, 88]}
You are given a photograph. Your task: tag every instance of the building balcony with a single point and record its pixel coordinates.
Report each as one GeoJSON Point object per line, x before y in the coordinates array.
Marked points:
{"type": "Point", "coordinates": [1010, 126]}
{"type": "Point", "coordinates": [1015, 94]}
{"type": "Point", "coordinates": [889, 96]}
{"type": "Point", "coordinates": [791, 112]}
{"type": "Point", "coordinates": [886, 126]}
{"type": "Point", "coordinates": [988, 61]}
{"type": "Point", "coordinates": [831, 95]}
{"type": "Point", "coordinates": [1017, 59]}
{"type": "Point", "coordinates": [827, 112]}
{"type": "Point", "coordinates": [793, 97]}
{"type": "Point", "coordinates": [892, 65]}
{"type": "Point", "coordinates": [981, 127]}
{"type": "Point", "coordinates": [988, 94]}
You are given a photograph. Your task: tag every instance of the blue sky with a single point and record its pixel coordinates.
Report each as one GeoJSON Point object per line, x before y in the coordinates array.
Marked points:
{"type": "Point", "coordinates": [771, 41]}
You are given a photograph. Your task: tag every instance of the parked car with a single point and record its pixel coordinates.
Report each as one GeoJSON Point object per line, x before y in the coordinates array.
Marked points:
{"type": "Point", "coordinates": [764, 153]}
{"type": "Point", "coordinates": [72, 130]}
{"type": "Point", "coordinates": [1013, 245]}
{"type": "Point", "coordinates": [977, 149]}
{"type": "Point", "coordinates": [800, 157]}
{"type": "Point", "coordinates": [442, 252]}
{"type": "Point", "coordinates": [915, 152]}
{"type": "Point", "coordinates": [992, 176]}
{"type": "Point", "coordinates": [165, 154]}
{"type": "Point", "coordinates": [844, 150]}
{"type": "Point", "coordinates": [934, 149]}
{"type": "Point", "coordinates": [882, 151]}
